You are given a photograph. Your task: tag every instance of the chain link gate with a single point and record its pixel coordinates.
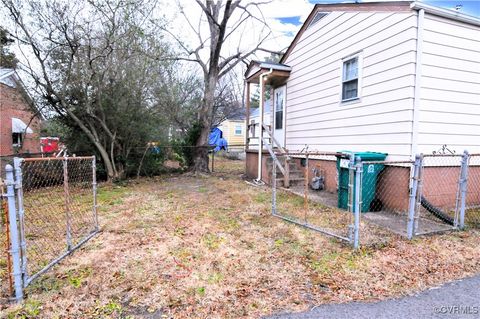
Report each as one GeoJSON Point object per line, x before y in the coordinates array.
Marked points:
{"type": "Point", "coordinates": [51, 212]}
{"type": "Point", "coordinates": [341, 224]}
{"type": "Point", "coordinates": [443, 187]}
{"type": "Point", "coordinates": [432, 194]}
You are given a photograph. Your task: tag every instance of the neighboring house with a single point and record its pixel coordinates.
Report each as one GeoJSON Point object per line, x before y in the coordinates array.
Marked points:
{"type": "Point", "coordinates": [395, 77]}
{"type": "Point", "coordinates": [19, 126]}
{"type": "Point", "coordinates": [233, 130]}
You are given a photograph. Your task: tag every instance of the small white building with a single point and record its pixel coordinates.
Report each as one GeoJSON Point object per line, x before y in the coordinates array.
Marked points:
{"type": "Point", "coordinates": [254, 123]}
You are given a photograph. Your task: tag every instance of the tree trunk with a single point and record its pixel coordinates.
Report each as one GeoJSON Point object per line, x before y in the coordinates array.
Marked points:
{"type": "Point", "coordinates": [101, 149]}
{"type": "Point", "coordinates": [106, 160]}
{"type": "Point", "coordinates": [200, 155]}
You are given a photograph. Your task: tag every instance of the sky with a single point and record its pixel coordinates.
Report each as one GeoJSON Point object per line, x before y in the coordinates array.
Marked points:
{"type": "Point", "coordinates": [292, 20]}
{"type": "Point", "coordinates": [285, 17]}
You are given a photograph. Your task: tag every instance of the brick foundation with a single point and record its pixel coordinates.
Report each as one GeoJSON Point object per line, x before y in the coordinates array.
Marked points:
{"type": "Point", "coordinates": [393, 188]}
{"type": "Point", "coordinates": [251, 162]}
{"type": "Point", "coordinates": [439, 183]}
{"type": "Point", "coordinates": [13, 104]}
{"type": "Point", "coordinates": [328, 169]}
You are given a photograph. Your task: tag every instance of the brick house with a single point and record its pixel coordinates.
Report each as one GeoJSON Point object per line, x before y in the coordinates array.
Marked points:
{"type": "Point", "coordinates": [19, 126]}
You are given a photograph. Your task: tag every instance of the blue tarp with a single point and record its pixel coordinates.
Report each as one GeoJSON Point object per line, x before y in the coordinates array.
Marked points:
{"type": "Point", "coordinates": [216, 139]}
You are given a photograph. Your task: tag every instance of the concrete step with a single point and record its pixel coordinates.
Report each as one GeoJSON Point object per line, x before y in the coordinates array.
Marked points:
{"type": "Point", "coordinates": [292, 174]}
{"type": "Point", "coordinates": [282, 161]}
{"type": "Point", "coordinates": [299, 181]}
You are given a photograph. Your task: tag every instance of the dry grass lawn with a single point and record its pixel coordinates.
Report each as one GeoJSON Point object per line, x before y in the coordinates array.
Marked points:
{"type": "Point", "coordinates": [207, 247]}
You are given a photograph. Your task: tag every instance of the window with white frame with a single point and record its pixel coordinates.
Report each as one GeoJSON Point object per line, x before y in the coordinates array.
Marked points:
{"type": "Point", "coordinates": [17, 139]}
{"type": "Point", "coordinates": [351, 78]}
{"type": "Point", "coordinates": [238, 130]}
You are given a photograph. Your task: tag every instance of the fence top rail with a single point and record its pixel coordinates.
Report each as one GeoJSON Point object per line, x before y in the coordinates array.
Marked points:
{"type": "Point", "coordinates": [388, 162]}
{"type": "Point", "coordinates": [40, 159]}
{"type": "Point", "coordinates": [442, 155]}
{"type": "Point", "coordinates": [312, 153]}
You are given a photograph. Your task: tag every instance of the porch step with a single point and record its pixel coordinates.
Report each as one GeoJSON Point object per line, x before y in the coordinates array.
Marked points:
{"type": "Point", "coordinates": [296, 173]}
{"type": "Point", "coordinates": [292, 174]}
{"type": "Point", "coordinates": [292, 165]}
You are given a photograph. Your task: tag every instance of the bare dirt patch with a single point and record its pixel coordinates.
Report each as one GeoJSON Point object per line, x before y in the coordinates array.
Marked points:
{"type": "Point", "coordinates": [184, 246]}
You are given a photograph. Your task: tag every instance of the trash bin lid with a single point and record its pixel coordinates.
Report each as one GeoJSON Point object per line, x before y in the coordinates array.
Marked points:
{"type": "Point", "coordinates": [366, 156]}
{"type": "Point", "coordinates": [371, 156]}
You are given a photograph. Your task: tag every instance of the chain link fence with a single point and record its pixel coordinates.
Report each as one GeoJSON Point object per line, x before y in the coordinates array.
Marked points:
{"type": "Point", "coordinates": [435, 193]}
{"type": "Point", "coordinates": [6, 280]}
{"type": "Point", "coordinates": [306, 193]}
{"type": "Point", "coordinates": [439, 192]}
{"type": "Point", "coordinates": [54, 202]}
{"type": "Point", "coordinates": [472, 212]}
{"type": "Point", "coordinates": [388, 195]}
{"type": "Point", "coordinates": [293, 200]}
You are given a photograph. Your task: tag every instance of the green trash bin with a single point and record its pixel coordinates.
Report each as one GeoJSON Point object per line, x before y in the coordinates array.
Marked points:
{"type": "Point", "coordinates": [369, 177]}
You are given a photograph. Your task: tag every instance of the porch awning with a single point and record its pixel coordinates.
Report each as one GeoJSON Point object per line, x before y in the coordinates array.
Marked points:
{"type": "Point", "coordinates": [278, 76]}
{"type": "Point", "coordinates": [18, 126]}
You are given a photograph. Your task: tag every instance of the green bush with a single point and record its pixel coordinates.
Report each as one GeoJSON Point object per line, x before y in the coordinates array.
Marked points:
{"type": "Point", "coordinates": [184, 147]}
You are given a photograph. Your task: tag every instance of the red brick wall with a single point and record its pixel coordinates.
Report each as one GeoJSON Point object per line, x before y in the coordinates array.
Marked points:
{"type": "Point", "coordinates": [473, 186]}
{"type": "Point", "coordinates": [393, 188]}
{"type": "Point", "coordinates": [440, 185]}
{"type": "Point", "coordinates": [329, 169]}
{"type": "Point", "coordinates": [12, 104]}
{"type": "Point", "coordinates": [251, 163]}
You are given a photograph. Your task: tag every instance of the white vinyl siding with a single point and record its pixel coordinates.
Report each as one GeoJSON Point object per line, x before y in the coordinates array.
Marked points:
{"type": "Point", "coordinates": [450, 86]}
{"type": "Point", "coordinates": [382, 119]}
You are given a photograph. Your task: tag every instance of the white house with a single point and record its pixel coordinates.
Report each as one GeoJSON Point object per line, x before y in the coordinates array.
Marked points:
{"type": "Point", "coordinates": [395, 77]}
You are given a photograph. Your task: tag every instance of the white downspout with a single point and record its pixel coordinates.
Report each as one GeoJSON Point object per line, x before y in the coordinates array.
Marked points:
{"type": "Point", "coordinates": [260, 134]}
{"type": "Point", "coordinates": [418, 77]}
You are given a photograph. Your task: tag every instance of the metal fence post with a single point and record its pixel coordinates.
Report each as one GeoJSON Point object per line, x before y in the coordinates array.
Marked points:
{"type": "Point", "coordinates": [274, 187]}
{"type": "Point", "coordinates": [94, 188]}
{"type": "Point", "coordinates": [213, 160]}
{"type": "Point", "coordinates": [17, 164]}
{"type": "Point", "coordinates": [351, 178]}
{"type": "Point", "coordinates": [463, 188]}
{"type": "Point", "coordinates": [66, 191]}
{"type": "Point", "coordinates": [357, 203]}
{"type": "Point", "coordinates": [14, 233]}
{"type": "Point", "coordinates": [418, 204]}
{"type": "Point", "coordinates": [413, 197]}
{"type": "Point", "coordinates": [305, 194]}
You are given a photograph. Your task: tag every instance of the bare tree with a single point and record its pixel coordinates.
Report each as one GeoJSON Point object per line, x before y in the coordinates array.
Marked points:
{"type": "Point", "coordinates": [86, 61]}
{"type": "Point", "coordinates": [224, 20]}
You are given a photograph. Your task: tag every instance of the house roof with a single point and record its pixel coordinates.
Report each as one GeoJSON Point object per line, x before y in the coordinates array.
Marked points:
{"type": "Point", "coordinates": [255, 66]}
{"type": "Point", "coordinates": [446, 13]}
{"type": "Point", "coordinates": [266, 109]}
{"type": "Point", "coordinates": [8, 77]}
{"type": "Point", "coordinates": [5, 72]}
{"type": "Point", "coordinates": [238, 115]}
{"type": "Point", "coordinates": [385, 6]}
{"type": "Point", "coordinates": [278, 72]}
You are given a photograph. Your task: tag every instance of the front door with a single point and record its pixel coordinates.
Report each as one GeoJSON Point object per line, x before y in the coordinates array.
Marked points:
{"type": "Point", "coordinates": [279, 115]}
